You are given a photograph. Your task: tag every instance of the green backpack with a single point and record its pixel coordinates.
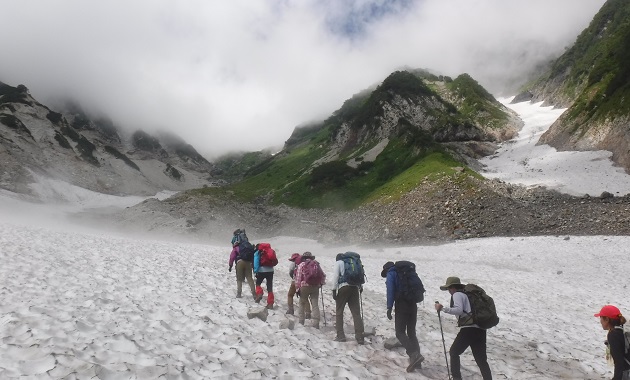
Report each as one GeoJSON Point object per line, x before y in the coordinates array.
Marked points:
{"type": "Point", "coordinates": [484, 312]}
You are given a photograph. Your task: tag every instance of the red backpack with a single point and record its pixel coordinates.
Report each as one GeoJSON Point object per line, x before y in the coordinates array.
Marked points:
{"type": "Point", "coordinates": [267, 255]}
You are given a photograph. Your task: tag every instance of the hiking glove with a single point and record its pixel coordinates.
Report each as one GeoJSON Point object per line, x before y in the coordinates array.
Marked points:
{"type": "Point", "coordinates": [389, 314]}
{"type": "Point", "coordinates": [230, 269]}
{"type": "Point", "coordinates": [335, 295]}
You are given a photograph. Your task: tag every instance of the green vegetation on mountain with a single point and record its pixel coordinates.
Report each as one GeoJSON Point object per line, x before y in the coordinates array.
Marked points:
{"type": "Point", "coordinates": [476, 103]}
{"type": "Point", "coordinates": [594, 73]}
{"type": "Point", "coordinates": [381, 143]}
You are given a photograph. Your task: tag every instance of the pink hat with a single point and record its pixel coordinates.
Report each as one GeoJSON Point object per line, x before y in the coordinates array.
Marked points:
{"type": "Point", "coordinates": [609, 311]}
{"type": "Point", "coordinates": [294, 256]}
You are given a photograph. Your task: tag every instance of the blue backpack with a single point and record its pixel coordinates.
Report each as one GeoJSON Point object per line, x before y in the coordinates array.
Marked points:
{"type": "Point", "coordinates": [353, 272]}
{"type": "Point", "coordinates": [410, 286]}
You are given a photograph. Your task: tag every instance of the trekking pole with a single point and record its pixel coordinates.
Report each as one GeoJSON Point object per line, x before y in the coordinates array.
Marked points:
{"type": "Point", "coordinates": [448, 370]}
{"type": "Point", "coordinates": [361, 299]}
{"type": "Point", "coordinates": [323, 311]}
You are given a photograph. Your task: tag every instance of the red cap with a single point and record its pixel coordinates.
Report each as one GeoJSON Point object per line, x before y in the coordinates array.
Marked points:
{"type": "Point", "coordinates": [294, 256]}
{"type": "Point", "coordinates": [609, 311]}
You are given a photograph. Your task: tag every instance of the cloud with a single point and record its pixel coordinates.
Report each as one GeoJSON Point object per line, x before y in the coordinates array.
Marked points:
{"type": "Point", "coordinates": [240, 75]}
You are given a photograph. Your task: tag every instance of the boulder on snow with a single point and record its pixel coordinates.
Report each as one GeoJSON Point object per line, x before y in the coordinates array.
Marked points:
{"type": "Point", "coordinates": [369, 331]}
{"type": "Point", "coordinates": [258, 312]}
{"type": "Point", "coordinates": [288, 323]}
{"type": "Point", "coordinates": [391, 343]}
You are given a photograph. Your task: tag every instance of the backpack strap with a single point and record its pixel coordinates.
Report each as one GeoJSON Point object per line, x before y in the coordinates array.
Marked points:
{"type": "Point", "coordinates": [626, 338]}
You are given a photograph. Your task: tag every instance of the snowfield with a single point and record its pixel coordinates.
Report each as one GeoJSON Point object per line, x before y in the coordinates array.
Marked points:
{"type": "Point", "coordinates": [523, 162]}
{"type": "Point", "coordinates": [80, 303]}
{"type": "Point", "coordinates": [76, 305]}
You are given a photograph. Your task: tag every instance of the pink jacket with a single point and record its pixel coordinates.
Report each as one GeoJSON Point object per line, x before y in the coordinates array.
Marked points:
{"type": "Point", "coordinates": [233, 255]}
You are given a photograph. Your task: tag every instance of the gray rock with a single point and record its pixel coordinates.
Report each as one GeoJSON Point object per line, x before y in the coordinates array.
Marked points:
{"type": "Point", "coordinates": [288, 323]}
{"type": "Point", "coordinates": [391, 343]}
{"type": "Point", "coordinates": [369, 331]}
{"type": "Point", "coordinates": [258, 312]}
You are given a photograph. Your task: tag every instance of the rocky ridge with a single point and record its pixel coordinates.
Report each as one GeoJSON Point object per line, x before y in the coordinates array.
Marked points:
{"type": "Point", "coordinates": [456, 207]}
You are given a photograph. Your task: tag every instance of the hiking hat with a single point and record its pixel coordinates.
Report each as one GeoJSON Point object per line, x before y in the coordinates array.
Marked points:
{"type": "Point", "coordinates": [308, 255]}
{"type": "Point", "coordinates": [386, 268]}
{"type": "Point", "coordinates": [294, 256]}
{"type": "Point", "coordinates": [236, 232]}
{"type": "Point", "coordinates": [450, 282]}
{"type": "Point", "coordinates": [609, 311]}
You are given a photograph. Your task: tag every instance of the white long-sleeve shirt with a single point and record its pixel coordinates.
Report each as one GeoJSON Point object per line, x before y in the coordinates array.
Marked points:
{"type": "Point", "coordinates": [461, 308]}
{"type": "Point", "coordinates": [338, 271]}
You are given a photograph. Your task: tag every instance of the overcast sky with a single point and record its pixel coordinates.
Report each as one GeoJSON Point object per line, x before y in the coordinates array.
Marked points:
{"type": "Point", "coordinates": [241, 74]}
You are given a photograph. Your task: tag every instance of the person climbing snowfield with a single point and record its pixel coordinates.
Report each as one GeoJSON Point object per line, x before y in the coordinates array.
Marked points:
{"type": "Point", "coordinates": [309, 278]}
{"type": "Point", "coordinates": [345, 291]}
{"type": "Point", "coordinates": [611, 319]}
{"type": "Point", "coordinates": [243, 256]}
{"type": "Point", "coordinates": [406, 312]}
{"type": "Point", "coordinates": [470, 334]}
{"type": "Point", "coordinates": [264, 261]}
{"type": "Point", "coordinates": [295, 261]}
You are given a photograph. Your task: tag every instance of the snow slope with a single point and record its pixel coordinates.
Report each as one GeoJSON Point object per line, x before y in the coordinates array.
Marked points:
{"type": "Point", "coordinates": [76, 305]}
{"type": "Point", "coordinates": [521, 161]}
{"type": "Point", "coordinates": [80, 304]}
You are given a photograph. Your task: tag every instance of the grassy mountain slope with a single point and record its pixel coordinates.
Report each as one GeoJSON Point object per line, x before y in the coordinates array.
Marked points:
{"type": "Point", "coordinates": [592, 78]}
{"type": "Point", "coordinates": [380, 144]}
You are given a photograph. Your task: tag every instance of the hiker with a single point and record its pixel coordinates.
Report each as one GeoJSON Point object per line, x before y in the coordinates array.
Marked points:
{"type": "Point", "coordinates": [235, 242]}
{"type": "Point", "coordinates": [264, 261]}
{"type": "Point", "coordinates": [295, 261]}
{"type": "Point", "coordinates": [470, 335]}
{"type": "Point", "coordinates": [345, 293]}
{"type": "Point", "coordinates": [406, 316]}
{"type": "Point", "coordinates": [309, 278]}
{"type": "Point", "coordinates": [611, 319]}
{"type": "Point", "coordinates": [243, 255]}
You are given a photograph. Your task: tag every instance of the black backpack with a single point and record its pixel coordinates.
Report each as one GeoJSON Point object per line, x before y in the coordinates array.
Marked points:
{"type": "Point", "coordinates": [246, 251]}
{"type": "Point", "coordinates": [410, 286]}
{"type": "Point", "coordinates": [353, 272]}
{"type": "Point", "coordinates": [241, 237]}
{"type": "Point", "coordinates": [484, 313]}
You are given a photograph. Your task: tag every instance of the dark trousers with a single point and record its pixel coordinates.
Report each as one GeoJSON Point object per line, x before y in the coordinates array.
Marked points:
{"type": "Point", "coordinates": [475, 338]}
{"type": "Point", "coordinates": [260, 276]}
{"type": "Point", "coordinates": [405, 321]}
{"type": "Point", "coordinates": [349, 295]}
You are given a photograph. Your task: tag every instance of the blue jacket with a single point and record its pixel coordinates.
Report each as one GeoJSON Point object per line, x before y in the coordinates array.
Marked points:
{"type": "Point", "coordinates": [392, 286]}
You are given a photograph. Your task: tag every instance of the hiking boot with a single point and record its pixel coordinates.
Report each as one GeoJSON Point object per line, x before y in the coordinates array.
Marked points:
{"type": "Point", "coordinates": [258, 298]}
{"type": "Point", "coordinates": [316, 324]}
{"type": "Point", "coordinates": [361, 341]}
{"type": "Point", "coordinates": [239, 296]}
{"type": "Point", "coordinates": [289, 312]}
{"type": "Point", "coordinates": [270, 306]}
{"type": "Point", "coordinates": [308, 316]}
{"type": "Point", "coordinates": [301, 321]}
{"type": "Point", "coordinates": [415, 361]}
{"type": "Point", "coordinates": [340, 339]}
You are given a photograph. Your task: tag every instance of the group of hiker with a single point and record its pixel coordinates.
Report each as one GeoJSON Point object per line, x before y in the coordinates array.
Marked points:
{"type": "Point", "coordinates": [474, 309]}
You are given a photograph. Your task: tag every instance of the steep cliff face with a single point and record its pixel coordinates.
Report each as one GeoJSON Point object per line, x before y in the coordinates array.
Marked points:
{"type": "Point", "coordinates": [36, 141]}
{"type": "Point", "coordinates": [592, 79]}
